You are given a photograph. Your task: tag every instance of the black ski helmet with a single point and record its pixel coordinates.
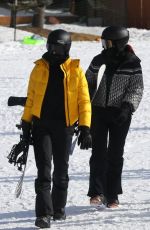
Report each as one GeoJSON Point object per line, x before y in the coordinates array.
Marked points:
{"type": "Point", "coordinates": [61, 38]}
{"type": "Point", "coordinates": [119, 36]}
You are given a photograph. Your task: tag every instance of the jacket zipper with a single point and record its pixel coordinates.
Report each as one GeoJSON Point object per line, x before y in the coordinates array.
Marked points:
{"type": "Point", "coordinates": [66, 93]}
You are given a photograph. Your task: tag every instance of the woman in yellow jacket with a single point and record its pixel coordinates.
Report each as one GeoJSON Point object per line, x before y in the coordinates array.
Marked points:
{"type": "Point", "coordinates": [57, 98]}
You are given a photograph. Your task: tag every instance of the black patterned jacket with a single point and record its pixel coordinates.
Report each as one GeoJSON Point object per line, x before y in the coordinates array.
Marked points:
{"type": "Point", "coordinates": [120, 83]}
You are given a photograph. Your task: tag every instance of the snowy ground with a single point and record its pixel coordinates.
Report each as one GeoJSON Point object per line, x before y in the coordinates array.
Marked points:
{"type": "Point", "coordinates": [16, 62]}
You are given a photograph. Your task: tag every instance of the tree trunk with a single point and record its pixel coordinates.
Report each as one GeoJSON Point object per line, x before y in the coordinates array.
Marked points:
{"type": "Point", "coordinates": [39, 17]}
{"type": "Point", "coordinates": [80, 8]}
{"type": "Point", "coordinates": [13, 17]}
{"type": "Point", "coordinates": [72, 6]}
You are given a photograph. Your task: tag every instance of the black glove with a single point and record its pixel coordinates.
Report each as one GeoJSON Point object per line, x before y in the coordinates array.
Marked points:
{"type": "Point", "coordinates": [26, 130]}
{"type": "Point", "coordinates": [84, 139]}
{"type": "Point", "coordinates": [125, 114]}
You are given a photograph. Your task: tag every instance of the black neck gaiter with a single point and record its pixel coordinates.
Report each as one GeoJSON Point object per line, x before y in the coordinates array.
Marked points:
{"type": "Point", "coordinates": [54, 59]}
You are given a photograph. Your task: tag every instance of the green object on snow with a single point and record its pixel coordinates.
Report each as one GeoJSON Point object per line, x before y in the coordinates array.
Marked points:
{"type": "Point", "coordinates": [33, 40]}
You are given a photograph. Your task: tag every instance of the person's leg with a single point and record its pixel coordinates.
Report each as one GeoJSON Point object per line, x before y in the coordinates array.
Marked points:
{"type": "Point", "coordinates": [60, 174]}
{"type": "Point", "coordinates": [98, 160]}
{"type": "Point", "coordinates": [43, 154]}
{"type": "Point", "coordinates": [117, 137]}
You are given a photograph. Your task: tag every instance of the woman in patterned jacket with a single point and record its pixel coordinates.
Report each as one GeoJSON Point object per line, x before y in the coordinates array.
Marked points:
{"type": "Point", "coordinates": [113, 103]}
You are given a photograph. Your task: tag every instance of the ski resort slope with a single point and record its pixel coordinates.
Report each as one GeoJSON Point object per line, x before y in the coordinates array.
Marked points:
{"type": "Point", "coordinates": [16, 63]}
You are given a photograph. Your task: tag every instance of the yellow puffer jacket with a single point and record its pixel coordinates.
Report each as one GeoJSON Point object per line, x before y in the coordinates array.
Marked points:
{"type": "Point", "coordinates": [77, 100]}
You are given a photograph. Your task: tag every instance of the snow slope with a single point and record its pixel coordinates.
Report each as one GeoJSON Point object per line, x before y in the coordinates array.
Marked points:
{"type": "Point", "coordinates": [16, 63]}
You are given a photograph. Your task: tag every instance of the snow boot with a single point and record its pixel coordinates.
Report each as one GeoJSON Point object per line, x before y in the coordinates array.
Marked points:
{"type": "Point", "coordinates": [59, 214]}
{"type": "Point", "coordinates": [97, 200]}
{"type": "Point", "coordinates": [112, 203]}
{"type": "Point", "coordinates": [43, 221]}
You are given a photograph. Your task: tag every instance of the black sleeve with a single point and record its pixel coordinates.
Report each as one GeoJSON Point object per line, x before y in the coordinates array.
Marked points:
{"type": "Point", "coordinates": [136, 86]}
{"type": "Point", "coordinates": [92, 74]}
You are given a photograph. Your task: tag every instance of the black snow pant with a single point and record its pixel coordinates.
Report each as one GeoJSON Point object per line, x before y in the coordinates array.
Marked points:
{"type": "Point", "coordinates": [106, 162]}
{"type": "Point", "coordinates": [51, 140]}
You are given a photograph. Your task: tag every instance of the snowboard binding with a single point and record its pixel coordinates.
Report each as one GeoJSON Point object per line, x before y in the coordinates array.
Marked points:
{"type": "Point", "coordinates": [18, 153]}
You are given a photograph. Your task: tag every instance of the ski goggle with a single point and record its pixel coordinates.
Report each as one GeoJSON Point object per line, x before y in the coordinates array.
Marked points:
{"type": "Point", "coordinates": [106, 44]}
{"type": "Point", "coordinates": [55, 49]}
